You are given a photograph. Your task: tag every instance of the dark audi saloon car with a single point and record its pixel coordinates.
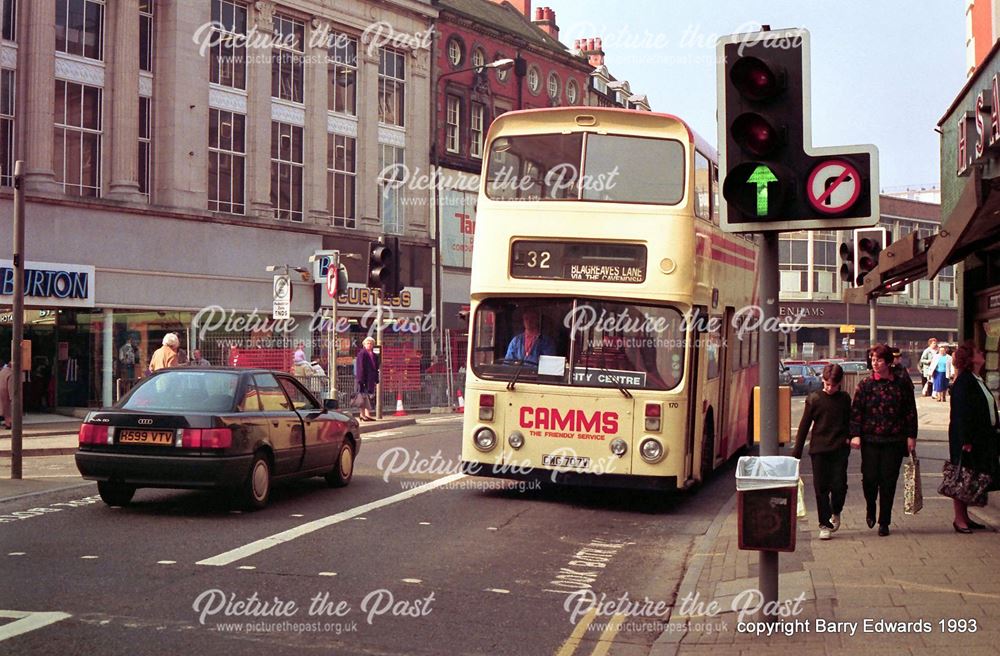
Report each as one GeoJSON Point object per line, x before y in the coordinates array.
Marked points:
{"type": "Point", "coordinates": [215, 428]}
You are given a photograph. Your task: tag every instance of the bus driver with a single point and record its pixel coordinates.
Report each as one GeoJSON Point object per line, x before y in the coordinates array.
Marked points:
{"type": "Point", "coordinates": [531, 343]}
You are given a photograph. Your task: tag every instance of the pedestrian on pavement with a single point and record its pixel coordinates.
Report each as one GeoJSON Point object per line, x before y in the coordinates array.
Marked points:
{"type": "Point", "coordinates": [198, 361]}
{"type": "Point", "coordinates": [6, 393]}
{"type": "Point", "coordinates": [972, 429]}
{"type": "Point", "coordinates": [942, 371]}
{"type": "Point", "coordinates": [884, 426]}
{"type": "Point", "coordinates": [166, 355]}
{"type": "Point", "coordinates": [926, 383]}
{"type": "Point", "coordinates": [366, 377]}
{"type": "Point", "coordinates": [127, 357]}
{"type": "Point", "coordinates": [828, 413]}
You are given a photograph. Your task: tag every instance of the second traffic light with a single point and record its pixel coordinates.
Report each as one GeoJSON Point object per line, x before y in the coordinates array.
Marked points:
{"type": "Point", "coordinates": [868, 245]}
{"type": "Point", "coordinates": [383, 265]}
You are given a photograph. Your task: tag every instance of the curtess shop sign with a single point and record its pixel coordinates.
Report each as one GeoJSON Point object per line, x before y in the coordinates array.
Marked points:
{"type": "Point", "coordinates": [48, 284]}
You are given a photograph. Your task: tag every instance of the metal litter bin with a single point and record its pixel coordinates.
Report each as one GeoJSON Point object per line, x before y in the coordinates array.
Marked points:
{"type": "Point", "coordinates": [766, 498]}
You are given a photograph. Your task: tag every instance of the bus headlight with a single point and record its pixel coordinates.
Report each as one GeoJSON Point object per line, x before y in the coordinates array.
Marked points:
{"type": "Point", "coordinates": [516, 440]}
{"type": "Point", "coordinates": [484, 439]}
{"type": "Point", "coordinates": [651, 450]}
{"type": "Point", "coordinates": [619, 447]}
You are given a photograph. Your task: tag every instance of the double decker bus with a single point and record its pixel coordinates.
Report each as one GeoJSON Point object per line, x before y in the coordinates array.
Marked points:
{"type": "Point", "coordinates": [612, 337]}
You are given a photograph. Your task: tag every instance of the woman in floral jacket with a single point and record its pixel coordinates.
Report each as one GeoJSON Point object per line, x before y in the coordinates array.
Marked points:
{"type": "Point", "coordinates": [884, 426]}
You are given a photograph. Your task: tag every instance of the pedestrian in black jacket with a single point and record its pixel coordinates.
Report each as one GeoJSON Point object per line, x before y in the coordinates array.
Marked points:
{"type": "Point", "coordinates": [828, 413]}
{"type": "Point", "coordinates": [972, 430]}
{"type": "Point", "coordinates": [884, 427]}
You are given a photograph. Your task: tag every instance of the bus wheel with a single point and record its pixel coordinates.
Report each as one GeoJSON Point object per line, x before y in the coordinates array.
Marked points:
{"type": "Point", "coordinates": [708, 449]}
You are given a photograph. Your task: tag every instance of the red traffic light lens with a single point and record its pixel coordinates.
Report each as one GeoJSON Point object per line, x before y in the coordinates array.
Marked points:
{"type": "Point", "coordinates": [846, 252]}
{"type": "Point", "coordinates": [754, 79]}
{"type": "Point", "coordinates": [755, 134]}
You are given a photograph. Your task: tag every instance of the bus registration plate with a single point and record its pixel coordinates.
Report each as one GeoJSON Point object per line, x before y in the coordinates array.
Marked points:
{"type": "Point", "coordinates": [573, 462]}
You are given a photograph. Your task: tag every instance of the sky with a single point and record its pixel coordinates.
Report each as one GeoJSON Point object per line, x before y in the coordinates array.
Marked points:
{"type": "Point", "coordinates": [883, 71]}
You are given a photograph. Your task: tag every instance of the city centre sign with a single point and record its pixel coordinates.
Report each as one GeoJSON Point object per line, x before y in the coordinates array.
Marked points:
{"type": "Point", "coordinates": [48, 284]}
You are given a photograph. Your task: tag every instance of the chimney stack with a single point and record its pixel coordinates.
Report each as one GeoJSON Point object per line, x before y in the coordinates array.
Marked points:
{"type": "Point", "coordinates": [545, 18]}
{"type": "Point", "coordinates": [594, 50]}
{"type": "Point", "coordinates": [523, 6]}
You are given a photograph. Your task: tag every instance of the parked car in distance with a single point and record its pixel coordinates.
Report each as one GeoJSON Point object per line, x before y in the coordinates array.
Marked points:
{"type": "Point", "coordinates": [784, 376]}
{"type": "Point", "coordinates": [854, 367]}
{"type": "Point", "coordinates": [804, 379]}
{"type": "Point", "coordinates": [229, 429]}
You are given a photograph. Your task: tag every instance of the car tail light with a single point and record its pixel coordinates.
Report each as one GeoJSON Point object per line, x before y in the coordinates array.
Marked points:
{"type": "Point", "coordinates": [486, 404]}
{"type": "Point", "coordinates": [653, 412]}
{"type": "Point", "coordinates": [93, 434]}
{"type": "Point", "coordinates": [207, 438]}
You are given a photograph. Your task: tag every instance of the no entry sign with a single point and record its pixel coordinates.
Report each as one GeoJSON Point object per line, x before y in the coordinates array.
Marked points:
{"type": "Point", "coordinates": [834, 186]}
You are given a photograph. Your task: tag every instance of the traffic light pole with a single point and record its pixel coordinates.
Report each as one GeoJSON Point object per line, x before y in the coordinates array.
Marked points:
{"type": "Point", "coordinates": [16, 384]}
{"type": "Point", "coordinates": [381, 359]}
{"type": "Point", "coordinates": [767, 295]}
{"type": "Point", "coordinates": [872, 330]}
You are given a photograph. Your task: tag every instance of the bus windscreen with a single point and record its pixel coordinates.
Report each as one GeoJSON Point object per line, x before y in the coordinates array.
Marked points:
{"type": "Point", "coordinates": [579, 342]}
{"type": "Point", "coordinates": [589, 167]}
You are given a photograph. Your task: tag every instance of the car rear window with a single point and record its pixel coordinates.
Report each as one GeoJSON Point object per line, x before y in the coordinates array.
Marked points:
{"type": "Point", "coordinates": [185, 391]}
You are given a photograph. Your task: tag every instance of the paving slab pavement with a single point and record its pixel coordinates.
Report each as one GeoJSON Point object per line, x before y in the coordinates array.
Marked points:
{"type": "Point", "coordinates": [920, 590]}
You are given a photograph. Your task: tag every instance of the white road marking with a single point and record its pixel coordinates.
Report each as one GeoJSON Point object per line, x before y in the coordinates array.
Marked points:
{"type": "Point", "coordinates": [16, 553]}
{"type": "Point", "coordinates": [412, 581]}
{"type": "Point", "coordinates": [247, 567]}
{"type": "Point", "coordinates": [89, 557]}
{"type": "Point", "coordinates": [498, 590]}
{"type": "Point", "coordinates": [361, 519]}
{"type": "Point", "coordinates": [297, 515]}
{"type": "Point", "coordinates": [166, 562]}
{"type": "Point", "coordinates": [286, 536]}
{"type": "Point", "coordinates": [425, 523]}
{"type": "Point", "coordinates": [327, 573]}
{"type": "Point", "coordinates": [378, 434]}
{"type": "Point", "coordinates": [25, 621]}
{"type": "Point", "coordinates": [492, 528]}
{"type": "Point", "coordinates": [457, 418]}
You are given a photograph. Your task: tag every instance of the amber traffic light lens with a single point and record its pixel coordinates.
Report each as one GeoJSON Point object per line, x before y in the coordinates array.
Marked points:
{"type": "Point", "coordinates": [754, 133]}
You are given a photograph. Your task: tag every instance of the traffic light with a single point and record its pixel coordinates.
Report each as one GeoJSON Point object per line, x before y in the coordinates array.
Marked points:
{"type": "Point", "coordinates": [773, 179]}
{"type": "Point", "coordinates": [868, 246]}
{"type": "Point", "coordinates": [847, 262]}
{"type": "Point", "coordinates": [383, 265]}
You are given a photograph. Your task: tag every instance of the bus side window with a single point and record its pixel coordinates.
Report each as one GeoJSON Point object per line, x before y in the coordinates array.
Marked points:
{"type": "Point", "coordinates": [702, 173]}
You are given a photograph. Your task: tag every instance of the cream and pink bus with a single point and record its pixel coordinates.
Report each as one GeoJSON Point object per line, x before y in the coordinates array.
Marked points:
{"type": "Point", "coordinates": [612, 331]}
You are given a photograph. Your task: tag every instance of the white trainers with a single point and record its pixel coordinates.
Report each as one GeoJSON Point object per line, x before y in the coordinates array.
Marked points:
{"type": "Point", "coordinates": [834, 523]}
{"type": "Point", "coordinates": [824, 533]}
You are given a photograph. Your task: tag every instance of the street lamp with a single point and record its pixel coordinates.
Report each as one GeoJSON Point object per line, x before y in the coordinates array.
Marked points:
{"type": "Point", "coordinates": [500, 64]}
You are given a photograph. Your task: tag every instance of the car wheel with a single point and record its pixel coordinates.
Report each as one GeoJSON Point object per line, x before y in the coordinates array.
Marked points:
{"type": "Point", "coordinates": [343, 471]}
{"type": "Point", "coordinates": [115, 494]}
{"type": "Point", "coordinates": [256, 490]}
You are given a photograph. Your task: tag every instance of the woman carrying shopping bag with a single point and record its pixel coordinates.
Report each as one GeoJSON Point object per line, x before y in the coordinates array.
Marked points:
{"type": "Point", "coordinates": [972, 431]}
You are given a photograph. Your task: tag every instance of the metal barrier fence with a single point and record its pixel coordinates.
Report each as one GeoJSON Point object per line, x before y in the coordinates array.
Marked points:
{"type": "Point", "coordinates": [410, 374]}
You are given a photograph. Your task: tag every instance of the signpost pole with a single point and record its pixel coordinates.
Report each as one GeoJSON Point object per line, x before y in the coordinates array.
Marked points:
{"type": "Point", "coordinates": [17, 391]}
{"type": "Point", "coordinates": [331, 347]}
{"type": "Point", "coordinates": [768, 299]}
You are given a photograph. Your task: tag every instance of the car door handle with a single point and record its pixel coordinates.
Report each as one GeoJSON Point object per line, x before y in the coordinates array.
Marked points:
{"type": "Point", "coordinates": [275, 423]}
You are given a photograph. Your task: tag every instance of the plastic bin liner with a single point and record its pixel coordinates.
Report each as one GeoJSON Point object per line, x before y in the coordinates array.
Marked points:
{"type": "Point", "coordinates": [766, 472]}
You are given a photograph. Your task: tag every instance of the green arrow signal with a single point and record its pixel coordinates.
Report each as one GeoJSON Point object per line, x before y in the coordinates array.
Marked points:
{"type": "Point", "coordinates": [762, 175]}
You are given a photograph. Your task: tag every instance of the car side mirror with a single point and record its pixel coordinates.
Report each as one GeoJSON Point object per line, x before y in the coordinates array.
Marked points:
{"type": "Point", "coordinates": [330, 404]}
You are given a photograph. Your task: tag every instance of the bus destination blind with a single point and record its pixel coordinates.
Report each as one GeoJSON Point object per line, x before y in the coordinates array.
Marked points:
{"type": "Point", "coordinates": [578, 261]}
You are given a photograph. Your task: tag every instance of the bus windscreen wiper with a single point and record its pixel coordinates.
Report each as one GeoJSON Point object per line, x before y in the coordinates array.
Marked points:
{"type": "Point", "coordinates": [517, 372]}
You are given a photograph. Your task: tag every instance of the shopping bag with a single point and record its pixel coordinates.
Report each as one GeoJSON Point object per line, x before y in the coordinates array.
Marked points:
{"type": "Point", "coordinates": [800, 508]}
{"type": "Point", "coordinates": [964, 484]}
{"type": "Point", "coordinates": [913, 495]}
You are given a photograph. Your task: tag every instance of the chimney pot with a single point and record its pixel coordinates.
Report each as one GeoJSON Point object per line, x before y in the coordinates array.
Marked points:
{"type": "Point", "coordinates": [599, 46]}
{"type": "Point", "coordinates": [539, 13]}
{"type": "Point", "coordinates": [591, 44]}
{"type": "Point", "coordinates": [549, 14]}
